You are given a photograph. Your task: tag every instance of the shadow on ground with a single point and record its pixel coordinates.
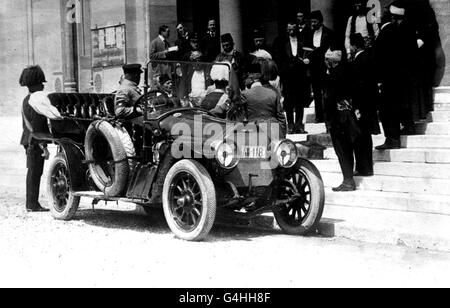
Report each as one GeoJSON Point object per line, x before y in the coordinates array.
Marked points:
{"type": "Point", "coordinates": [156, 223]}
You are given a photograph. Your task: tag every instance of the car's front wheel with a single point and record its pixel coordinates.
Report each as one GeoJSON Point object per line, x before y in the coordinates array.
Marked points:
{"type": "Point", "coordinates": [189, 200]}
{"type": "Point", "coordinates": [304, 186]}
{"type": "Point", "coordinates": [63, 204]}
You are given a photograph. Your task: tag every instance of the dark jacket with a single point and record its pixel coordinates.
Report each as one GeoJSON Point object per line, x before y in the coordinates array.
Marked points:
{"type": "Point", "coordinates": [125, 99]}
{"type": "Point", "coordinates": [264, 104]}
{"type": "Point", "coordinates": [210, 47]}
{"type": "Point", "coordinates": [317, 57]}
{"type": "Point", "coordinates": [294, 73]}
{"type": "Point", "coordinates": [365, 92]}
{"type": "Point", "coordinates": [38, 123]}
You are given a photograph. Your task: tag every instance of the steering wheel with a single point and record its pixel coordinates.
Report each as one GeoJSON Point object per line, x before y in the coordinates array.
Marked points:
{"type": "Point", "coordinates": [147, 99]}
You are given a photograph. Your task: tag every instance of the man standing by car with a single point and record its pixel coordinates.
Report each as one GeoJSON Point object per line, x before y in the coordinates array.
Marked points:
{"type": "Point", "coordinates": [129, 93]}
{"type": "Point", "coordinates": [36, 109]}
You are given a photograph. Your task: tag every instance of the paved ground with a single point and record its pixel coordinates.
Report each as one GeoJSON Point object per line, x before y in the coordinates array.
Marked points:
{"type": "Point", "coordinates": [117, 247]}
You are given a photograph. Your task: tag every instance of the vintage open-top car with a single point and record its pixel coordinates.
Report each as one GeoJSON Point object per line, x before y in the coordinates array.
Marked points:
{"type": "Point", "coordinates": [183, 159]}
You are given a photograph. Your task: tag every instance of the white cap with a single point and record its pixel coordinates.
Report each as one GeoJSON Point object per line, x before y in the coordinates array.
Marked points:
{"type": "Point", "coordinates": [221, 71]}
{"type": "Point", "coordinates": [397, 11]}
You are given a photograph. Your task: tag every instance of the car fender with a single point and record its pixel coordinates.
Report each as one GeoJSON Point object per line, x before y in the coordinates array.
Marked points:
{"type": "Point", "coordinates": [75, 162]}
{"type": "Point", "coordinates": [308, 164]}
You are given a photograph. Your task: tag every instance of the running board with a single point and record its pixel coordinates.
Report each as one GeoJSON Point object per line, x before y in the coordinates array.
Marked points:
{"type": "Point", "coordinates": [96, 195]}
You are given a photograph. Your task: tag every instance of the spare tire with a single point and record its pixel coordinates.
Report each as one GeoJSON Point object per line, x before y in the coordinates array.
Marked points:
{"type": "Point", "coordinates": [106, 152]}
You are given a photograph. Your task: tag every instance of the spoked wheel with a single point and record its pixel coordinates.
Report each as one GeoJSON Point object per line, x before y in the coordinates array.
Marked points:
{"type": "Point", "coordinates": [189, 201]}
{"type": "Point", "coordinates": [63, 204]}
{"type": "Point", "coordinates": [304, 187]}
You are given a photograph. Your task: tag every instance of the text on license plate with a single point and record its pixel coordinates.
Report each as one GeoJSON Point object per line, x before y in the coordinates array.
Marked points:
{"type": "Point", "coordinates": [254, 152]}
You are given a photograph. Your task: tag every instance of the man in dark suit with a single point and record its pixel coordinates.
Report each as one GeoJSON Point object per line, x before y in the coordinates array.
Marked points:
{"type": "Point", "coordinates": [160, 50]}
{"type": "Point", "coordinates": [364, 98]}
{"type": "Point", "coordinates": [210, 44]}
{"type": "Point", "coordinates": [34, 122]}
{"type": "Point", "coordinates": [183, 42]}
{"type": "Point", "coordinates": [322, 39]}
{"type": "Point", "coordinates": [397, 53]}
{"type": "Point", "coordinates": [294, 78]}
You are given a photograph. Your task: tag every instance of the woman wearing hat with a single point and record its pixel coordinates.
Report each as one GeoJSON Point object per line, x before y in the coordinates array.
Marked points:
{"type": "Point", "coordinates": [218, 102]}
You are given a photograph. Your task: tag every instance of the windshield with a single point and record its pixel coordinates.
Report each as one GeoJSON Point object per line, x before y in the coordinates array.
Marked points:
{"type": "Point", "coordinates": [189, 82]}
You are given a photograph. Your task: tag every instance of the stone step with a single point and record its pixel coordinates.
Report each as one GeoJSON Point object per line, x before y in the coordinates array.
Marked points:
{"type": "Point", "coordinates": [440, 90]}
{"type": "Point", "coordinates": [442, 98]}
{"type": "Point", "coordinates": [429, 156]}
{"type": "Point", "coordinates": [442, 106]}
{"type": "Point", "coordinates": [413, 170]}
{"type": "Point", "coordinates": [403, 202]}
{"type": "Point", "coordinates": [439, 116]}
{"type": "Point", "coordinates": [310, 115]}
{"type": "Point", "coordinates": [410, 229]}
{"type": "Point", "coordinates": [433, 128]}
{"type": "Point", "coordinates": [426, 142]}
{"type": "Point", "coordinates": [393, 184]}
{"type": "Point", "coordinates": [316, 129]}
{"type": "Point", "coordinates": [325, 139]}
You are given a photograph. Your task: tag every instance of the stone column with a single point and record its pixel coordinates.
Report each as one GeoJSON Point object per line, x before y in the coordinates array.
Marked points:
{"type": "Point", "coordinates": [442, 9]}
{"type": "Point", "coordinates": [69, 45]}
{"type": "Point", "coordinates": [231, 20]}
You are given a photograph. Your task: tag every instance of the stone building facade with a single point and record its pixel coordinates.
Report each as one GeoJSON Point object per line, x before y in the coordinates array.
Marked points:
{"type": "Point", "coordinates": [61, 35]}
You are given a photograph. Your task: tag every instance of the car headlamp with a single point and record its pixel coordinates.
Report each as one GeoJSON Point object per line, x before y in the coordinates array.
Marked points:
{"type": "Point", "coordinates": [226, 155]}
{"type": "Point", "coordinates": [286, 154]}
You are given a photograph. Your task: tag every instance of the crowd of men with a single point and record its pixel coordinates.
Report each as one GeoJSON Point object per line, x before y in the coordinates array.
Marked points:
{"type": "Point", "coordinates": [380, 67]}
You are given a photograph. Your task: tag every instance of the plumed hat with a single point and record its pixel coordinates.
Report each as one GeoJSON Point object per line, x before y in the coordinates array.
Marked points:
{"type": "Point", "coordinates": [316, 15]}
{"type": "Point", "coordinates": [397, 8]}
{"type": "Point", "coordinates": [221, 71]}
{"type": "Point", "coordinates": [227, 38]}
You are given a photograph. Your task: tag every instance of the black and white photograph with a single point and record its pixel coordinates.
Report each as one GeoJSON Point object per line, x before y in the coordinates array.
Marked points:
{"type": "Point", "coordinates": [200, 145]}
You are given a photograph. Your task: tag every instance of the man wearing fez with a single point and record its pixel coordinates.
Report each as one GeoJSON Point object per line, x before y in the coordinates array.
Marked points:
{"type": "Point", "coordinates": [236, 58]}
{"type": "Point", "coordinates": [129, 93]}
{"type": "Point", "coordinates": [260, 49]}
{"type": "Point", "coordinates": [36, 109]}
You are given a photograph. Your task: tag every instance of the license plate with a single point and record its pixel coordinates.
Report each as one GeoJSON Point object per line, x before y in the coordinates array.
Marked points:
{"type": "Point", "coordinates": [254, 152]}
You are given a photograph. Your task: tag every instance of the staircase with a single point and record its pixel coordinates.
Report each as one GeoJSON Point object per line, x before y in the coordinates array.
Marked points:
{"type": "Point", "coordinates": [408, 200]}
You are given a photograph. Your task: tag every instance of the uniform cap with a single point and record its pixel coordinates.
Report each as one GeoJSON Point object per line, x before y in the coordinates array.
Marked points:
{"type": "Point", "coordinates": [132, 68]}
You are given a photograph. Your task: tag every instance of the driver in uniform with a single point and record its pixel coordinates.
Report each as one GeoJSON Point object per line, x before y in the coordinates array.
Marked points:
{"type": "Point", "coordinates": [129, 93]}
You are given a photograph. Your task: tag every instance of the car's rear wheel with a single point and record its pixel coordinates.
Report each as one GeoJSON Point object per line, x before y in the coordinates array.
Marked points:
{"type": "Point", "coordinates": [189, 201]}
{"type": "Point", "coordinates": [63, 204]}
{"type": "Point", "coordinates": [305, 187]}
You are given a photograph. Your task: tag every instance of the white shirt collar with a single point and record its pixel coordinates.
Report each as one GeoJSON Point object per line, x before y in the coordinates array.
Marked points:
{"type": "Point", "coordinates": [162, 38]}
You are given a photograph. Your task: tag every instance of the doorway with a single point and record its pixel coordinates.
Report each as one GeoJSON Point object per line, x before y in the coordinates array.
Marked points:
{"type": "Point", "coordinates": [195, 14]}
